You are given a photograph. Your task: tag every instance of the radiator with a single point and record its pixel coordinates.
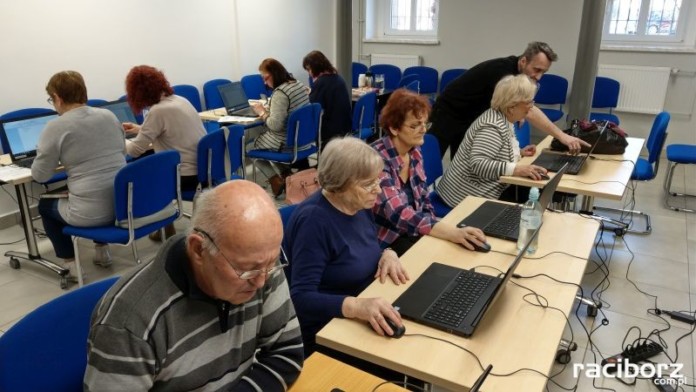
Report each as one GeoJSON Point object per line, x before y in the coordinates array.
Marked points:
{"type": "Point", "coordinates": [402, 61]}
{"type": "Point", "coordinates": [643, 89]}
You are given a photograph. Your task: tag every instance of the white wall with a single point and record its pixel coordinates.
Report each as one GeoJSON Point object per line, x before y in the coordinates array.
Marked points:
{"type": "Point", "coordinates": [191, 41]}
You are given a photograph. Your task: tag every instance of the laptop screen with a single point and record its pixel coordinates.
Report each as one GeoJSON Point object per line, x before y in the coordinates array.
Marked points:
{"type": "Point", "coordinates": [22, 134]}
{"type": "Point", "coordinates": [233, 95]}
{"type": "Point", "coordinates": [122, 110]}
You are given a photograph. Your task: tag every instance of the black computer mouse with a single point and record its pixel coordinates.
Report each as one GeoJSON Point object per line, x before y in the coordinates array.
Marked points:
{"type": "Point", "coordinates": [544, 176]}
{"type": "Point", "coordinates": [398, 331]}
{"type": "Point", "coordinates": [485, 248]}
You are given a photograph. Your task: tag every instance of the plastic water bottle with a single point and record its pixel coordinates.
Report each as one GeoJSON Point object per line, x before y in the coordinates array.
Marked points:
{"type": "Point", "coordinates": [530, 221]}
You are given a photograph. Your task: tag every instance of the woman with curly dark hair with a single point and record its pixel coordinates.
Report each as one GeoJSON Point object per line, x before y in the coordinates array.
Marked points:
{"type": "Point", "coordinates": [171, 123]}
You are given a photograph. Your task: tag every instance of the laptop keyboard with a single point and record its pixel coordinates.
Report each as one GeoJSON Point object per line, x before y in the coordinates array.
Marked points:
{"type": "Point", "coordinates": [453, 305]}
{"type": "Point", "coordinates": [506, 223]}
{"type": "Point", "coordinates": [25, 163]}
{"type": "Point", "coordinates": [574, 163]}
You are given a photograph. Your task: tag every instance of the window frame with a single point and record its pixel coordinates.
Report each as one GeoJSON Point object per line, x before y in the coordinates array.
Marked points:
{"type": "Point", "coordinates": [384, 12]}
{"type": "Point", "coordinates": [640, 39]}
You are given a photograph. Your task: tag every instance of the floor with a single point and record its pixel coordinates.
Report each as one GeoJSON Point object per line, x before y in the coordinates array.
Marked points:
{"type": "Point", "coordinates": [662, 264]}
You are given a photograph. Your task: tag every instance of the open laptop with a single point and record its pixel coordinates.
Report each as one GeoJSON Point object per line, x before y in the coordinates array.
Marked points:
{"type": "Point", "coordinates": [123, 113]}
{"type": "Point", "coordinates": [235, 100]}
{"type": "Point", "coordinates": [21, 136]}
{"type": "Point", "coordinates": [454, 299]}
{"type": "Point", "coordinates": [502, 220]}
{"type": "Point", "coordinates": [553, 160]}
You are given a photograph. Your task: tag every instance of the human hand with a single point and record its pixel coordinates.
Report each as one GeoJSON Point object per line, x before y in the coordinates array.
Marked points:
{"type": "Point", "coordinates": [467, 236]}
{"type": "Point", "coordinates": [528, 151]}
{"type": "Point", "coordinates": [574, 144]}
{"type": "Point", "coordinates": [258, 108]}
{"type": "Point", "coordinates": [531, 171]}
{"type": "Point", "coordinates": [389, 265]}
{"type": "Point", "coordinates": [130, 128]}
{"type": "Point", "coordinates": [374, 311]}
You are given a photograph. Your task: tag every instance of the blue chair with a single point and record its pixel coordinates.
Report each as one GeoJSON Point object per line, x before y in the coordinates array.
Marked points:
{"type": "Point", "coordinates": [413, 86]}
{"type": "Point", "coordinates": [448, 76]}
{"type": "Point", "coordinates": [523, 134]}
{"type": "Point", "coordinates": [646, 169]}
{"type": "Point", "coordinates": [143, 195]}
{"type": "Point", "coordinates": [211, 94]}
{"type": "Point", "coordinates": [552, 91]}
{"type": "Point", "coordinates": [684, 154]}
{"type": "Point", "coordinates": [605, 96]}
{"type": "Point", "coordinates": [253, 86]}
{"type": "Point", "coordinates": [407, 79]}
{"type": "Point", "coordinates": [96, 102]}
{"type": "Point", "coordinates": [302, 138]}
{"type": "Point", "coordinates": [210, 160]}
{"type": "Point", "coordinates": [47, 349]}
{"type": "Point", "coordinates": [357, 69]}
{"type": "Point", "coordinates": [236, 147]}
{"type": "Point", "coordinates": [427, 76]}
{"type": "Point", "coordinates": [285, 214]}
{"type": "Point", "coordinates": [190, 93]}
{"type": "Point", "coordinates": [364, 116]}
{"type": "Point", "coordinates": [432, 164]}
{"type": "Point", "coordinates": [392, 74]}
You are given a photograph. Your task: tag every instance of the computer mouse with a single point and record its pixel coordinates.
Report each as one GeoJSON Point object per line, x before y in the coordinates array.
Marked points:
{"type": "Point", "coordinates": [485, 248]}
{"type": "Point", "coordinates": [398, 331]}
{"type": "Point", "coordinates": [544, 176]}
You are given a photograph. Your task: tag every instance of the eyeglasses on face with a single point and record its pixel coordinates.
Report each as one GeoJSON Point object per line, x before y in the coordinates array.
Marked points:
{"type": "Point", "coordinates": [50, 100]}
{"type": "Point", "coordinates": [418, 126]}
{"type": "Point", "coordinates": [372, 186]}
{"type": "Point", "coordinates": [246, 275]}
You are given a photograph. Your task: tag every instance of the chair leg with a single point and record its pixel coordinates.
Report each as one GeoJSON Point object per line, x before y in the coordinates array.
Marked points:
{"type": "Point", "coordinates": [78, 265]}
{"type": "Point", "coordinates": [668, 192]}
{"type": "Point", "coordinates": [134, 248]}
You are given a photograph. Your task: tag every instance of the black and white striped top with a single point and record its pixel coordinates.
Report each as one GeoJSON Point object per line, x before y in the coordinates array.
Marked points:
{"type": "Point", "coordinates": [286, 98]}
{"type": "Point", "coordinates": [489, 150]}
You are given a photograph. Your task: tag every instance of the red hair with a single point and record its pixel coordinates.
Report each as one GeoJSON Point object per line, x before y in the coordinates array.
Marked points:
{"type": "Point", "coordinates": [145, 86]}
{"type": "Point", "coordinates": [401, 103]}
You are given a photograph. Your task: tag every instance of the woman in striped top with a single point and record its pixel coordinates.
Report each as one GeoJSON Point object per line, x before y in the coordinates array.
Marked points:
{"type": "Point", "coordinates": [288, 95]}
{"type": "Point", "coordinates": [491, 150]}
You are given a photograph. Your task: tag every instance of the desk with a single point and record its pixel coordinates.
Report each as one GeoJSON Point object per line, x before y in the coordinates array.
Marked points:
{"type": "Point", "coordinates": [512, 335]}
{"type": "Point", "coordinates": [322, 373]}
{"type": "Point", "coordinates": [216, 114]}
{"type": "Point", "coordinates": [32, 253]}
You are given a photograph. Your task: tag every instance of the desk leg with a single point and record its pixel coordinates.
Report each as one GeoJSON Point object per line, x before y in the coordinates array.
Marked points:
{"type": "Point", "coordinates": [587, 208]}
{"type": "Point", "coordinates": [33, 250]}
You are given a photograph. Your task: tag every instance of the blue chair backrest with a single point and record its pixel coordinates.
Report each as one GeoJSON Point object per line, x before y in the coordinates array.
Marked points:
{"type": "Point", "coordinates": [155, 184]}
{"type": "Point", "coordinates": [364, 111]}
{"type": "Point", "coordinates": [606, 93]}
{"type": "Point", "coordinates": [303, 126]}
{"type": "Point", "coordinates": [285, 214]}
{"type": "Point", "coordinates": [356, 70]}
{"type": "Point", "coordinates": [392, 74]}
{"type": "Point", "coordinates": [427, 76]}
{"type": "Point", "coordinates": [190, 93]}
{"type": "Point", "coordinates": [432, 161]}
{"type": "Point", "coordinates": [553, 90]}
{"type": "Point", "coordinates": [657, 137]}
{"type": "Point", "coordinates": [211, 159]}
{"type": "Point", "coordinates": [211, 94]}
{"type": "Point", "coordinates": [413, 86]}
{"type": "Point", "coordinates": [448, 76]}
{"type": "Point", "coordinates": [236, 149]}
{"type": "Point", "coordinates": [46, 350]}
{"type": "Point", "coordinates": [406, 79]}
{"type": "Point", "coordinates": [523, 134]}
{"type": "Point", "coordinates": [96, 102]}
{"type": "Point", "coordinates": [15, 114]}
{"type": "Point", "coordinates": [253, 86]}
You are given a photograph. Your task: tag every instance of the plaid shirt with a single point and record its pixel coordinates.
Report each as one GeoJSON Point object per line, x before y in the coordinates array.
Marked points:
{"type": "Point", "coordinates": [394, 215]}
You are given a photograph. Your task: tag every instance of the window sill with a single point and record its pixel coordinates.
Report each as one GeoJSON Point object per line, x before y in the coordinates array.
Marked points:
{"type": "Point", "coordinates": [647, 48]}
{"type": "Point", "coordinates": [409, 41]}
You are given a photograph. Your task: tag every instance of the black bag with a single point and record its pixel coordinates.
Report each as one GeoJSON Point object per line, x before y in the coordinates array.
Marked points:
{"type": "Point", "coordinates": [613, 140]}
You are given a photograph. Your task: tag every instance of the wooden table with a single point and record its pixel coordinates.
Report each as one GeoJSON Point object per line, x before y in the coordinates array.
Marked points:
{"type": "Point", "coordinates": [322, 374]}
{"type": "Point", "coordinates": [512, 335]}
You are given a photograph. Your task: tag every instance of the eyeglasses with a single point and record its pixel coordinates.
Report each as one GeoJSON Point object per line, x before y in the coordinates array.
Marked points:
{"type": "Point", "coordinates": [527, 103]}
{"type": "Point", "coordinates": [425, 126]}
{"type": "Point", "coordinates": [50, 100]}
{"type": "Point", "coordinates": [247, 275]}
{"type": "Point", "coordinates": [372, 187]}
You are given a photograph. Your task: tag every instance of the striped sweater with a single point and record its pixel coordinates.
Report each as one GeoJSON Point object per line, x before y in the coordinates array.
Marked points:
{"type": "Point", "coordinates": [487, 152]}
{"type": "Point", "coordinates": [156, 330]}
{"type": "Point", "coordinates": [286, 98]}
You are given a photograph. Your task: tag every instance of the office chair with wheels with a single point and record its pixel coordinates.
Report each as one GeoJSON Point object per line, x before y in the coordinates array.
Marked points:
{"type": "Point", "coordinates": [684, 154]}
{"type": "Point", "coordinates": [47, 349]}
{"type": "Point", "coordinates": [605, 96]}
{"type": "Point", "coordinates": [364, 116]}
{"type": "Point", "coordinates": [143, 195]}
{"type": "Point", "coordinates": [357, 69]}
{"type": "Point", "coordinates": [432, 164]}
{"type": "Point", "coordinates": [211, 94]}
{"type": "Point", "coordinates": [448, 76]}
{"type": "Point", "coordinates": [552, 91]}
{"type": "Point", "coordinates": [427, 76]}
{"type": "Point", "coordinates": [302, 138]}
{"type": "Point", "coordinates": [253, 86]}
{"type": "Point", "coordinates": [646, 169]}
{"type": "Point", "coordinates": [392, 74]}
{"type": "Point", "coordinates": [190, 93]}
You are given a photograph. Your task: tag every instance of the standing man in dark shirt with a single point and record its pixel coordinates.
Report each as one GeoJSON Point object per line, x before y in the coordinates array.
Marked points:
{"type": "Point", "coordinates": [470, 95]}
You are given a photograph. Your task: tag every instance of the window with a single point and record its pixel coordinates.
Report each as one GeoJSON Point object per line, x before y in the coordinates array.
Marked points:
{"type": "Point", "coordinates": [411, 21]}
{"type": "Point", "coordinates": [645, 22]}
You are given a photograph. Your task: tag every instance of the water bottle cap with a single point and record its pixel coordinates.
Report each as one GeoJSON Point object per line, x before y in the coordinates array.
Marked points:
{"type": "Point", "coordinates": [534, 194]}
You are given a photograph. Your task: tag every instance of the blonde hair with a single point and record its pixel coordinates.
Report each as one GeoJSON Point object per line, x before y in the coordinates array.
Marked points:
{"type": "Point", "coordinates": [345, 161]}
{"type": "Point", "coordinates": [512, 90]}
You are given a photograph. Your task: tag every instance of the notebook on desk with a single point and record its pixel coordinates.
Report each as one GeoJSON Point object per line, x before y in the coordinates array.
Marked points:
{"type": "Point", "coordinates": [501, 220]}
{"type": "Point", "coordinates": [553, 160]}
{"type": "Point", "coordinates": [454, 299]}
{"type": "Point", "coordinates": [235, 100]}
{"type": "Point", "coordinates": [21, 136]}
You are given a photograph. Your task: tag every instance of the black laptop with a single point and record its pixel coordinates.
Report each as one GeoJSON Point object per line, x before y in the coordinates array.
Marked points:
{"type": "Point", "coordinates": [454, 299]}
{"type": "Point", "coordinates": [553, 160]}
{"type": "Point", "coordinates": [235, 100]}
{"type": "Point", "coordinates": [502, 220]}
{"type": "Point", "coordinates": [21, 136]}
{"type": "Point", "coordinates": [123, 113]}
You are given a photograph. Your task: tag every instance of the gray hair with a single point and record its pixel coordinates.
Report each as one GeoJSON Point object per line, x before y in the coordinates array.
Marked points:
{"type": "Point", "coordinates": [346, 161]}
{"type": "Point", "coordinates": [536, 47]}
{"type": "Point", "coordinates": [206, 216]}
{"type": "Point", "coordinates": [512, 90]}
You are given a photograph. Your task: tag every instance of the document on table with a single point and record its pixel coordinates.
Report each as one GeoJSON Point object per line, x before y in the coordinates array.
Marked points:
{"type": "Point", "coordinates": [10, 173]}
{"type": "Point", "coordinates": [237, 119]}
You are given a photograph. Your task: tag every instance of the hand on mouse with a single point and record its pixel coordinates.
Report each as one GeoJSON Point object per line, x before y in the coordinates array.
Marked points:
{"type": "Point", "coordinates": [531, 171]}
{"type": "Point", "coordinates": [468, 236]}
{"type": "Point", "coordinates": [389, 265]}
{"type": "Point", "coordinates": [374, 311]}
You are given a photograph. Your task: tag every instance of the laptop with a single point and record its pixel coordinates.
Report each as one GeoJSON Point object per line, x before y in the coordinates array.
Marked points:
{"type": "Point", "coordinates": [21, 136]}
{"type": "Point", "coordinates": [553, 160]}
{"type": "Point", "coordinates": [502, 220]}
{"type": "Point", "coordinates": [235, 100]}
{"type": "Point", "coordinates": [123, 113]}
{"type": "Point", "coordinates": [454, 299]}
